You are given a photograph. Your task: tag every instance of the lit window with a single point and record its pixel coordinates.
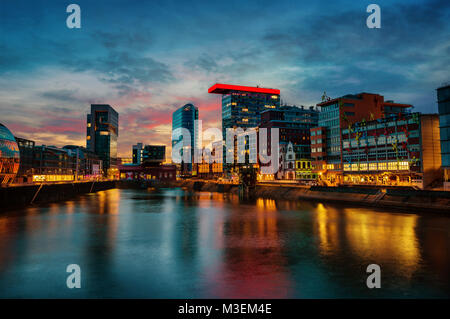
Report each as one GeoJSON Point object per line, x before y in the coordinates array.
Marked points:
{"type": "Point", "coordinates": [104, 133]}
{"type": "Point", "coordinates": [372, 166]}
{"type": "Point", "coordinates": [244, 120]}
{"type": "Point", "coordinates": [363, 167]}
{"type": "Point", "coordinates": [392, 166]}
{"type": "Point", "coordinates": [403, 166]}
{"type": "Point", "coordinates": [382, 166]}
{"type": "Point", "coordinates": [354, 167]}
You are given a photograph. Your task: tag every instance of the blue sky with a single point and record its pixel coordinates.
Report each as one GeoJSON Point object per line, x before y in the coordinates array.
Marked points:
{"type": "Point", "coordinates": [146, 58]}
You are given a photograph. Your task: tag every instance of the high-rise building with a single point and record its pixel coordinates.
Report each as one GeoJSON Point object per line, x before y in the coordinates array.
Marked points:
{"type": "Point", "coordinates": [185, 118]}
{"type": "Point", "coordinates": [443, 97]}
{"type": "Point", "coordinates": [339, 113]}
{"type": "Point", "coordinates": [102, 133]}
{"type": "Point", "coordinates": [241, 108]}
{"type": "Point", "coordinates": [242, 105]}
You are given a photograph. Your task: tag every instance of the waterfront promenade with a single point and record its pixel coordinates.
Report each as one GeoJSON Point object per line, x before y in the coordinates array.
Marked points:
{"type": "Point", "coordinates": [423, 201]}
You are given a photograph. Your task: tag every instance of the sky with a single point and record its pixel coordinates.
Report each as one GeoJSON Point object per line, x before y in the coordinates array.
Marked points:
{"type": "Point", "coordinates": [148, 58]}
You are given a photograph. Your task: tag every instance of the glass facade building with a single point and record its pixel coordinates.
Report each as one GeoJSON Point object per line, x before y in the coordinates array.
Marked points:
{"type": "Point", "coordinates": [443, 97]}
{"type": "Point", "coordinates": [9, 156]}
{"type": "Point", "coordinates": [186, 117]}
{"type": "Point", "coordinates": [102, 132]}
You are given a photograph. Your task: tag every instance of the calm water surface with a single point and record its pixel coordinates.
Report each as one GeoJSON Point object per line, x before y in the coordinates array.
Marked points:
{"type": "Point", "coordinates": [175, 244]}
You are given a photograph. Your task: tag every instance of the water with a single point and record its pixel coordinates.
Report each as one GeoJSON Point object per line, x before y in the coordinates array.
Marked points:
{"type": "Point", "coordinates": [175, 244]}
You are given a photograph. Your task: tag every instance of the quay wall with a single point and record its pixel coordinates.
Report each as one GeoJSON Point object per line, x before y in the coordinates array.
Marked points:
{"type": "Point", "coordinates": [22, 196]}
{"type": "Point", "coordinates": [407, 200]}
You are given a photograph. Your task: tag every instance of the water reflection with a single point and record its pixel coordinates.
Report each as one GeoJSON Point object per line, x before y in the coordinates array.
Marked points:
{"type": "Point", "coordinates": [173, 243]}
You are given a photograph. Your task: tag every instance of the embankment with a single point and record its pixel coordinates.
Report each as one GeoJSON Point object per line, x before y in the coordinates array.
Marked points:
{"type": "Point", "coordinates": [21, 196]}
{"type": "Point", "coordinates": [401, 199]}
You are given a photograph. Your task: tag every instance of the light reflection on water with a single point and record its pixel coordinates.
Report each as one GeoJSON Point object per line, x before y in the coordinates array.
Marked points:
{"type": "Point", "coordinates": [175, 244]}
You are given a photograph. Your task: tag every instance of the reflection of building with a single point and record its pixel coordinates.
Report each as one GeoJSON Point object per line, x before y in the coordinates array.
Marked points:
{"type": "Point", "coordinates": [185, 118]}
{"type": "Point", "coordinates": [340, 113]}
{"type": "Point", "coordinates": [443, 97]}
{"type": "Point", "coordinates": [102, 133]}
{"type": "Point", "coordinates": [9, 156]}
{"type": "Point", "coordinates": [397, 150]}
{"type": "Point", "coordinates": [26, 148]}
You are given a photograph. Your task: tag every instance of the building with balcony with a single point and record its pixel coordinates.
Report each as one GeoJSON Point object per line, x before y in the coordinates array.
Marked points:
{"type": "Point", "coordinates": [340, 113]}
{"type": "Point", "coordinates": [399, 150]}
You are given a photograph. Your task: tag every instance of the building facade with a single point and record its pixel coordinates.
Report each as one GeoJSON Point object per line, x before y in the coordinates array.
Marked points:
{"type": "Point", "coordinates": [9, 156]}
{"type": "Point", "coordinates": [443, 99]}
{"type": "Point", "coordinates": [294, 124]}
{"type": "Point", "coordinates": [102, 133]}
{"type": "Point", "coordinates": [340, 113]}
{"type": "Point", "coordinates": [401, 150]}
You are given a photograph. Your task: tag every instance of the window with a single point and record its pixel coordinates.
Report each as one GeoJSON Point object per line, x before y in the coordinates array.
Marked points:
{"type": "Point", "coordinates": [372, 166]}
{"type": "Point", "coordinates": [403, 166]}
{"type": "Point", "coordinates": [392, 166]}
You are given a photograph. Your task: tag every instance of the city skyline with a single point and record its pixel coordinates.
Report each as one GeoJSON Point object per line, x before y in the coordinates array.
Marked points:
{"type": "Point", "coordinates": [49, 82]}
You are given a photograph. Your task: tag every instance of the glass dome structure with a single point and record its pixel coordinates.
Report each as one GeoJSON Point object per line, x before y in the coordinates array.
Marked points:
{"type": "Point", "coordinates": [9, 156]}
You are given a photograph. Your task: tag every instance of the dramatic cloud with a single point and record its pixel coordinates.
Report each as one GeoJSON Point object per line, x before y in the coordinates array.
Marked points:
{"type": "Point", "coordinates": [147, 58]}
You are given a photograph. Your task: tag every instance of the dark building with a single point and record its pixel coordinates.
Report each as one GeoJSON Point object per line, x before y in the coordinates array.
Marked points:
{"type": "Point", "coordinates": [25, 173]}
{"type": "Point", "coordinates": [9, 156]}
{"type": "Point", "coordinates": [102, 133]}
{"type": "Point", "coordinates": [443, 97]}
{"type": "Point", "coordinates": [153, 155]}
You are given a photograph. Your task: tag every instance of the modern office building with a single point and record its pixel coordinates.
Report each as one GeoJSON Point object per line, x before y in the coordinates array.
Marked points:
{"type": "Point", "coordinates": [443, 99]}
{"type": "Point", "coordinates": [186, 117]}
{"type": "Point", "coordinates": [242, 105]}
{"type": "Point", "coordinates": [401, 150]}
{"type": "Point", "coordinates": [9, 156]}
{"type": "Point", "coordinates": [102, 133]}
{"type": "Point", "coordinates": [340, 113]}
{"type": "Point", "coordinates": [241, 108]}
{"type": "Point", "coordinates": [25, 173]}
